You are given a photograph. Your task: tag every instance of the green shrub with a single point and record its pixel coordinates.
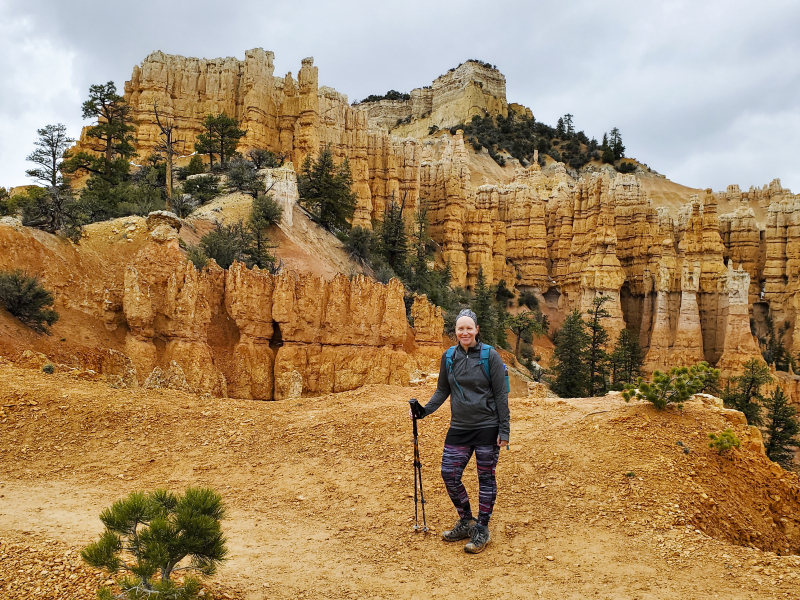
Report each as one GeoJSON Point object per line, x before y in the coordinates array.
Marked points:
{"type": "Point", "coordinates": [263, 159]}
{"type": "Point", "coordinates": [152, 535]}
{"type": "Point", "coordinates": [203, 188]}
{"type": "Point", "coordinates": [243, 177]}
{"type": "Point", "coordinates": [724, 441]}
{"type": "Point", "coordinates": [197, 257]}
{"type": "Point", "coordinates": [626, 167]}
{"type": "Point", "coordinates": [528, 299]}
{"type": "Point", "coordinates": [48, 368]}
{"type": "Point", "coordinates": [25, 298]}
{"type": "Point", "coordinates": [362, 243]}
{"type": "Point", "coordinates": [675, 387]}
{"type": "Point", "coordinates": [195, 167]}
{"type": "Point", "coordinates": [266, 211]}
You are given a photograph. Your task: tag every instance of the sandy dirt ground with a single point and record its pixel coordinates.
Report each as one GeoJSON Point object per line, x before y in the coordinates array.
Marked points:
{"type": "Point", "coordinates": [596, 498]}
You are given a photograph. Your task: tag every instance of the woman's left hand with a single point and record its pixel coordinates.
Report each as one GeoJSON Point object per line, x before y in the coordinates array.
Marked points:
{"type": "Point", "coordinates": [502, 443]}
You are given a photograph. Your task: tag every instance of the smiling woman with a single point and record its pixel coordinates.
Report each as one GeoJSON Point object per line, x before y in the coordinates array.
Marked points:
{"type": "Point", "coordinates": [472, 374]}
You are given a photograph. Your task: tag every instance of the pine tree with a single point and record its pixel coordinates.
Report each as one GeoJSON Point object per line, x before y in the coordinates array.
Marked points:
{"type": "Point", "coordinates": [615, 143]}
{"type": "Point", "coordinates": [50, 147]}
{"type": "Point", "coordinates": [111, 138]}
{"type": "Point", "coordinates": [560, 130]}
{"type": "Point", "coordinates": [25, 298]}
{"type": "Point", "coordinates": [782, 428]}
{"type": "Point", "coordinates": [325, 190]}
{"type": "Point", "coordinates": [626, 359]}
{"type": "Point", "coordinates": [393, 237]}
{"type": "Point", "coordinates": [597, 357]}
{"type": "Point", "coordinates": [528, 321]}
{"type": "Point", "coordinates": [744, 391]}
{"type": "Point", "coordinates": [570, 365]}
{"type": "Point", "coordinates": [568, 126]}
{"type": "Point", "coordinates": [152, 534]}
{"type": "Point", "coordinates": [483, 309]}
{"type": "Point", "coordinates": [221, 137]}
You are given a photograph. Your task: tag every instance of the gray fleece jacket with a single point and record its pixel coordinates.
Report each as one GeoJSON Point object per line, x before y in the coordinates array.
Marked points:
{"type": "Point", "coordinates": [475, 403]}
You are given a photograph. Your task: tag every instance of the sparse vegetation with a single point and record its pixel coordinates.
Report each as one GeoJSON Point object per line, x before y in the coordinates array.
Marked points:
{"type": "Point", "coordinates": [569, 357]}
{"type": "Point", "coordinates": [626, 359]}
{"type": "Point", "coordinates": [220, 138]}
{"type": "Point", "coordinates": [243, 177]}
{"type": "Point", "coordinates": [782, 428]}
{"type": "Point", "coordinates": [743, 392]}
{"type": "Point", "coordinates": [202, 189]}
{"type": "Point", "coordinates": [25, 298]}
{"type": "Point", "coordinates": [325, 191]}
{"type": "Point", "coordinates": [724, 441]}
{"type": "Point", "coordinates": [152, 534]}
{"type": "Point", "coordinates": [48, 368]}
{"type": "Point", "coordinates": [674, 387]}
{"type": "Point", "coordinates": [390, 95]}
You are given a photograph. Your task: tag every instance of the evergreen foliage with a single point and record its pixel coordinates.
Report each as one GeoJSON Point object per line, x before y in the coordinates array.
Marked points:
{"type": "Point", "coordinates": [743, 392]}
{"type": "Point", "coordinates": [243, 177]}
{"type": "Point", "coordinates": [483, 309]}
{"type": "Point", "coordinates": [392, 236]}
{"type": "Point", "coordinates": [325, 191]}
{"type": "Point", "coordinates": [26, 299]}
{"type": "Point", "coordinates": [263, 159]}
{"type": "Point", "coordinates": [615, 144]}
{"type": "Point", "coordinates": [152, 534]}
{"type": "Point", "coordinates": [195, 167]}
{"type": "Point", "coordinates": [626, 359]}
{"type": "Point", "coordinates": [362, 243]}
{"type": "Point", "coordinates": [202, 189]}
{"type": "Point", "coordinates": [569, 356]}
{"type": "Point", "coordinates": [50, 147]}
{"type": "Point", "coordinates": [265, 212]}
{"type": "Point", "coordinates": [781, 428]}
{"type": "Point", "coordinates": [528, 299]}
{"type": "Point", "coordinates": [772, 345]}
{"type": "Point", "coordinates": [724, 441]}
{"type": "Point", "coordinates": [111, 136]}
{"type": "Point", "coordinates": [674, 387]}
{"type": "Point", "coordinates": [626, 167]}
{"type": "Point", "coordinates": [596, 355]}
{"type": "Point", "coordinates": [390, 95]}
{"type": "Point", "coordinates": [221, 137]}
{"type": "Point", "coordinates": [525, 322]}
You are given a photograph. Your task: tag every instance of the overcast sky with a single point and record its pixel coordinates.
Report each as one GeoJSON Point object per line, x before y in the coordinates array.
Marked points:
{"type": "Point", "coordinates": [705, 92]}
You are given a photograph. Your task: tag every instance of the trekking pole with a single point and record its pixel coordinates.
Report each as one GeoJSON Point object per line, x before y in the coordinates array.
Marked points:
{"type": "Point", "coordinates": [417, 477]}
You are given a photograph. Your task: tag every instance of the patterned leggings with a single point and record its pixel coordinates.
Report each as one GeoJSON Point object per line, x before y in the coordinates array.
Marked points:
{"type": "Point", "coordinates": [454, 461]}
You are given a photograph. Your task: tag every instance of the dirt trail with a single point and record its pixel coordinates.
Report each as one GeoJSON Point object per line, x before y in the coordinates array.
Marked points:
{"type": "Point", "coordinates": [319, 491]}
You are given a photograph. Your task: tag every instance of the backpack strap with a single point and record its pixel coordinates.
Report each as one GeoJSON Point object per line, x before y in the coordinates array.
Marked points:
{"type": "Point", "coordinates": [485, 349]}
{"type": "Point", "coordinates": [448, 359]}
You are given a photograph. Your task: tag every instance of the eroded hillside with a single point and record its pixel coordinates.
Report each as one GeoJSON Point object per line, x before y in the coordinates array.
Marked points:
{"type": "Point", "coordinates": [596, 496]}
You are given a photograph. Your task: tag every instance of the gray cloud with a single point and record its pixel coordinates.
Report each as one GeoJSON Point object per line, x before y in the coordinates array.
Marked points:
{"type": "Point", "coordinates": [705, 92]}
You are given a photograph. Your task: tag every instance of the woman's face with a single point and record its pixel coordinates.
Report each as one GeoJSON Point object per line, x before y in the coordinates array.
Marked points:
{"type": "Point", "coordinates": [466, 330]}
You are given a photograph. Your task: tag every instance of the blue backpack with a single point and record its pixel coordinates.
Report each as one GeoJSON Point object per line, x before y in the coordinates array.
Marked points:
{"type": "Point", "coordinates": [485, 349]}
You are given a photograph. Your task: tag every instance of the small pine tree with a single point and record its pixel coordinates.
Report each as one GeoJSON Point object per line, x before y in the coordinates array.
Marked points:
{"type": "Point", "coordinates": [626, 359]}
{"type": "Point", "coordinates": [527, 322]}
{"type": "Point", "coordinates": [221, 136]}
{"type": "Point", "coordinates": [782, 428]}
{"type": "Point", "coordinates": [264, 213]}
{"type": "Point", "coordinates": [482, 306]}
{"type": "Point", "coordinates": [325, 190]}
{"type": "Point", "coordinates": [26, 299]}
{"type": "Point", "coordinates": [724, 441]}
{"type": "Point", "coordinates": [743, 392]}
{"type": "Point", "coordinates": [596, 355]}
{"type": "Point", "coordinates": [570, 366]}
{"type": "Point", "coordinates": [393, 237]}
{"type": "Point", "coordinates": [675, 387]}
{"type": "Point", "coordinates": [158, 531]}
{"type": "Point", "coordinates": [243, 177]}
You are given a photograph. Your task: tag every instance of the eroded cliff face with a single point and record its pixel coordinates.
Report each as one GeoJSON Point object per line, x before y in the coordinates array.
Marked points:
{"type": "Point", "coordinates": [242, 333]}
{"type": "Point", "coordinates": [673, 276]}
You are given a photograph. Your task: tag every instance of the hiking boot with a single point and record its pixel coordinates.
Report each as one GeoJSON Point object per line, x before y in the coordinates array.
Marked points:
{"type": "Point", "coordinates": [479, 539]}
{"type": "Point", "coordinates": [460, 531]}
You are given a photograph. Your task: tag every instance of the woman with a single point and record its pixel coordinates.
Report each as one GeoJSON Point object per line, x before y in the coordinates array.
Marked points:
{"type": "Point", "coordinates": [479, 424]}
